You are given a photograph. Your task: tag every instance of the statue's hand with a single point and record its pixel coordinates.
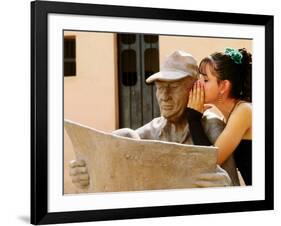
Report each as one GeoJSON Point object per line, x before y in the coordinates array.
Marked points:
{"type": "Point", "coordinates": [218, 179]}
{"type": "Point", "coordinates": [79, 173]}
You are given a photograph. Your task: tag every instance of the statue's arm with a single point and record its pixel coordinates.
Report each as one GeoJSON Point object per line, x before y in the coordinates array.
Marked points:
{"type": "Point", "coordinates": [127, 132]}
{"type": "Point", "coordinates": [213, 127]}
{"type": "Point", "coordinates": [205, 131]}
{"type": "Point", "coordinates": [220, 178]}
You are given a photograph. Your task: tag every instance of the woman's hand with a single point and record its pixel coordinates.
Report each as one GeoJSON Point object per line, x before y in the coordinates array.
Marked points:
{"type": "Point", "coordinates": [196, 97]}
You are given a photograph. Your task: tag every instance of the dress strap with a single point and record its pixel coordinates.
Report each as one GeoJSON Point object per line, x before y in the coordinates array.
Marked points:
{"type": "Point", "coordinates": [234, 107]}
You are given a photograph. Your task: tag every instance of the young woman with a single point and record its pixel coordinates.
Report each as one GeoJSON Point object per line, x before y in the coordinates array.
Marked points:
{"type": "Point", "coordinates": [226, 83]}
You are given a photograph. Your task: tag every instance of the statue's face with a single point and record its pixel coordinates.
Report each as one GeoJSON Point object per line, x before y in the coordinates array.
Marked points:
{"type": "Point", "coordinates": [172, 97]}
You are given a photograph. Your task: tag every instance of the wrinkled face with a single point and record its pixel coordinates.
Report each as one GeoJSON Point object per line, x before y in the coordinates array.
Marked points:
{"type": "Point", "coordinates": [212, 86]}
{"type": "Point", "coordinates": [172, 97]}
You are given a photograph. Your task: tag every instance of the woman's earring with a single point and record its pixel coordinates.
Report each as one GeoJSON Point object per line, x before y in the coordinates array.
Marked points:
{"type": "Point", "coordinates": [220, 97]}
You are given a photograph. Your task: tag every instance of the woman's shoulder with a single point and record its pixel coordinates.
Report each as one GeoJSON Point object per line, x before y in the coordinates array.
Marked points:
{"type": "Point", "coordinates": [244, 107]}
{"type": "Point", "coordinates": [243, 111]}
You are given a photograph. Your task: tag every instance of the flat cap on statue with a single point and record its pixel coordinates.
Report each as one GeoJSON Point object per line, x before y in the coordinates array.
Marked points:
{"type": "Point", "coordinates": [176, 66]}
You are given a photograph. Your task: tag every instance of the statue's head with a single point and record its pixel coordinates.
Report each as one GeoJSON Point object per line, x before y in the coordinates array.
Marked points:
{"type": "Point", "coordinates": [173, 83]}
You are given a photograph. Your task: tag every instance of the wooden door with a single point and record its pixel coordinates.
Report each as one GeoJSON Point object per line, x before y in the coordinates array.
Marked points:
{"type": "Point", "coordinates": [138, 58]}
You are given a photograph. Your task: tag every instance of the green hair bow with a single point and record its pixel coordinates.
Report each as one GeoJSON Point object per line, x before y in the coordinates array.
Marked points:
{"type": "Point", "coordinates": [234, 54]}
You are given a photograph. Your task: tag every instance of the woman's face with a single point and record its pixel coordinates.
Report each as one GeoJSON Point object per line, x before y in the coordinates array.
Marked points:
{"type": "Point", "coordinates": [212, 87]}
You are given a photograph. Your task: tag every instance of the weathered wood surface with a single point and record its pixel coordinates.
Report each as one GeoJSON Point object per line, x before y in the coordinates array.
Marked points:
{"type": "Point", "coordinates": [122, 164]}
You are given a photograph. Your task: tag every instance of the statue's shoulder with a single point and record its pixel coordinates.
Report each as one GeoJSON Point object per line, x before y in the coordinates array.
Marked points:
{"type": "Point", "coordinates": [152, 129]}
{"type": "Point", "coordinates": [155, 123]}
{"type": "Point", "coordinates": [213, 125]}
{"type": "Point", "coordinates": [210, 117]}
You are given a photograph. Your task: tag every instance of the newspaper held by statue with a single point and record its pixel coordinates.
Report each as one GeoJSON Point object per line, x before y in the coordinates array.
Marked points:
{"type": "Point", "coordinates": [118, 163]}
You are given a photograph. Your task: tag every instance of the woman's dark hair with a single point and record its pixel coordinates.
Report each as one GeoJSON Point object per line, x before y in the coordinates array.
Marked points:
{"type": "Point", "coordinates": [239, 75]}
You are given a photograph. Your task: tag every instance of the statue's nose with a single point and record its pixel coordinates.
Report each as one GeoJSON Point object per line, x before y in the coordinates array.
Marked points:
{"type": "Point", "coordinates": [166, 95]}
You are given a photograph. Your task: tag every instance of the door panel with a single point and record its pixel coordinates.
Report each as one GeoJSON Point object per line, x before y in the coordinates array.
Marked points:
{"type": "Point", "coordinates": [138, 58]}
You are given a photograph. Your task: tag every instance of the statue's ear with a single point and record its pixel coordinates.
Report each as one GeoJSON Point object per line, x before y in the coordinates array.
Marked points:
{"type": "Point", "coordinates": [190, 81]}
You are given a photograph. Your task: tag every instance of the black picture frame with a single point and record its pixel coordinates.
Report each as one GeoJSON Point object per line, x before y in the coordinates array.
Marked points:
{"type": "Point", "coordinates": [39, 112]}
